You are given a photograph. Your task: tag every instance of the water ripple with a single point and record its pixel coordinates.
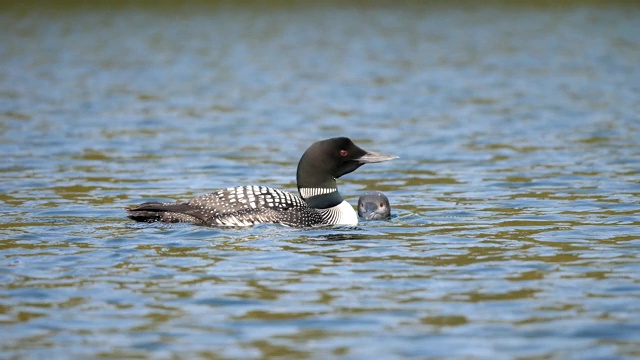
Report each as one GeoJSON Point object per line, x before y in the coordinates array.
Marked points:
{"type": "Point", "coordinates": [515, 198]}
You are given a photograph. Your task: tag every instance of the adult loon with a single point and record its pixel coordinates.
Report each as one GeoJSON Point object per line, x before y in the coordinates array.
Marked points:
{"type": "Point", "coordinates": [319, 203]}
{"type": "Point", "coordinates": [374, 206]}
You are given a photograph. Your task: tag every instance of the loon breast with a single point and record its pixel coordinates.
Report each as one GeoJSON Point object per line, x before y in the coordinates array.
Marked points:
{"type": "Point", "coordinates": [341, 214]}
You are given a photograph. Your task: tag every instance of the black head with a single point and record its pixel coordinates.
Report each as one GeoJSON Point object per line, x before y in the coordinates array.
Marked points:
{"type": "Point", "coordinates": [327, 160]}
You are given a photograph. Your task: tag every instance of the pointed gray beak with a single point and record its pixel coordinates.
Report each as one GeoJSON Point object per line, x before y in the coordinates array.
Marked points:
{"type": "Point", "coordinates": [372, 157]}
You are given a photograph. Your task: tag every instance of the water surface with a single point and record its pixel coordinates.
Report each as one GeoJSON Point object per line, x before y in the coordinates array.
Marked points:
{"type": "Point", "coordinates": [515, 197]}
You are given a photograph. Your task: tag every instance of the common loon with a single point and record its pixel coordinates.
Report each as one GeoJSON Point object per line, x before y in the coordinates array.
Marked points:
{"type": "Point", "coordinates": [319, 203]}
{"type": "Point", "coordinates": [374, 206]}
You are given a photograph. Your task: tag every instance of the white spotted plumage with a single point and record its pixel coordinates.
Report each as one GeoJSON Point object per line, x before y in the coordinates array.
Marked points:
{"type": "Point", "coordinates": [250, 205]}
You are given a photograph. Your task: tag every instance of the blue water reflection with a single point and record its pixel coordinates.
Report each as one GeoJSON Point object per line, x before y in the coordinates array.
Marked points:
{"type": "Point", "coordinates": [515, 198]}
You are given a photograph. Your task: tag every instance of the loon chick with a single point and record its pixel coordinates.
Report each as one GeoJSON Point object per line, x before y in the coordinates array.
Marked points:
{"type": "Point", "coordinates": [374, 206]}
{"type": "Point", "coordinates": [319, 203]}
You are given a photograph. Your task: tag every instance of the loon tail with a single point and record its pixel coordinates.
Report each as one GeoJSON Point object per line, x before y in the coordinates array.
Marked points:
{"type": "Point", "coordinates": [157, 211]}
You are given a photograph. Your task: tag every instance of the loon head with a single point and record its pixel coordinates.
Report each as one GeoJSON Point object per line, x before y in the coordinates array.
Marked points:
{"type": "Point", "coordinates": [374, 206]}
{"type": "Point", "coordinates": [324, 162]}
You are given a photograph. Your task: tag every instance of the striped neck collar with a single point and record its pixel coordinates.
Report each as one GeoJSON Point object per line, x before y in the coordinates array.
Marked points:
{"type": "Point", "coordinates": [311, 192]}
{"type": "Point", "coordinates": [321, 198]}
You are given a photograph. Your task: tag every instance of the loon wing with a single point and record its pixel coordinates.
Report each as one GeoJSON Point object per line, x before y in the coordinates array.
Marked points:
{"type": "Point", "coordinates": [165, 212]}
{"type": "Point", "coordinates": [244, 205]}
{"type": "Point", "coordinates": [238, 206]}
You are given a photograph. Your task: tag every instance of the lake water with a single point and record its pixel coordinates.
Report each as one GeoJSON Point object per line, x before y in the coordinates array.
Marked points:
{"type": "Point", "coordinates": [516, 197]}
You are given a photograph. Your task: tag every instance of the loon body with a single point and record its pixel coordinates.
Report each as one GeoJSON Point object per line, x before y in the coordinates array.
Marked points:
{"type": "Point", "coordinates": [374, 206]}
{"type": "Point", "coordinates": [319, 202]}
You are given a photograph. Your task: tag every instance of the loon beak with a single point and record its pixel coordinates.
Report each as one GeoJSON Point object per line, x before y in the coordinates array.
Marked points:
{"type": "Point", "coordinates": [372, 157]}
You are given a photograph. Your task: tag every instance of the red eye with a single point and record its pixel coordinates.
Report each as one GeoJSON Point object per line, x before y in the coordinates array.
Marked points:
{"type": "Point", "coordinates": [343, 152]}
